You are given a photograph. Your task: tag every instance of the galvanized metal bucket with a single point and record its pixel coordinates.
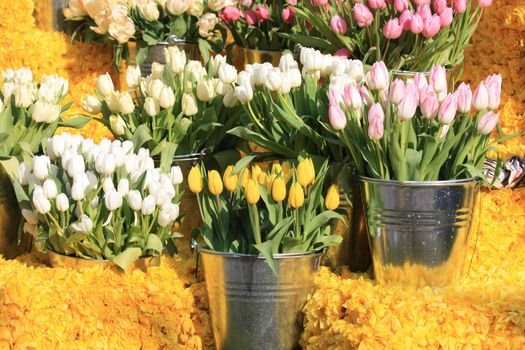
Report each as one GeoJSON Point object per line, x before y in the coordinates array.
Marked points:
{"type": "Point", "coordinates": [73, 262]}
{"type": "Point", "coordinates": [251, 56]}
{"type": "Point", "coordinates": [418, 231]}
{"type": "Point", "coordinates": [250, 307]}
{"type": "Point", "coordinates": [156, 53]}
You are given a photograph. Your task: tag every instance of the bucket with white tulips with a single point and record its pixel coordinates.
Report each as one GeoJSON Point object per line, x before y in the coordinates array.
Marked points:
{"type": "Point", "coordinates": [102, 203]}
{"type": "Point", "coordinates": [30, 112]}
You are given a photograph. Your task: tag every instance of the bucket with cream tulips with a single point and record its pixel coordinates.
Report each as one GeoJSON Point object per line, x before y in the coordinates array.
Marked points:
{"type": "Point", "coordinates": [419, 151]}
{"type": "Point", "coordinates": [87, 203]}
{"type": "Point", "coordinates": [262, 237]}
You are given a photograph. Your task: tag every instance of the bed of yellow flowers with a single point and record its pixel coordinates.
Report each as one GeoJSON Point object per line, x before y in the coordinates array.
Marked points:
{"type": "Point", "coordinates": [43, 308]}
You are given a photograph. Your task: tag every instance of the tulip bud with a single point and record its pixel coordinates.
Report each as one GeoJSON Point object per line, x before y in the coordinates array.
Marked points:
{"type": "Point", "coordinates": [113, 200]}
{"type": "Point", "coordinates": [409, 103]}
{"type": "Point", "coordinates": [205, 90]}
{"type": "Point", "coordinates": [338, 25]}
{"type": "Point", "coordinates": [77, 191]}
{"type": "Point", "coordinates": [487, 123]}
{"type": "Point", "coordinates": [417, 24]}
{"type": "Point", "coordinates": [90, 104]}
{"type": "Point", "coordinates": [296, 196]}
{"type": "Point", "coordinates": [244, 93]}
{"type": "Point", "coordinates": [306, 172]}
{"type": "Point", "coordinates": [151, 107]}
{"type": "Point", "coordinates": [278, 189]}
{"type": "Point", "coordinates": [484, 3]}
{"type": "Point", "coordinates": [133, 76]}
{"type": "Point", "coordinates": [227, 74]}
{"type": "Point", "coordinates": [148, 10]}
{"type": "Point", "coordinates": [397, 91]}
{"type": "Point", "coordinates": [24, 95]}
{"type": "Point", "coordinates": [108, 164]}
{"type": "Point", "coordinates": [148, 205]}
{"type": "Point", "coordinates": [446, 17]}
{"type": "Point", "coordinates": [336, 117]}
{"type": "Point", "coordinates": [332, 198]}
{"type": "Point", "coordinates": [401, 5]}
{"type": "Point", "coordinates": [480, 99]}
{"type": "Point", "coordinates": [75, 165]}
{"type": "Point", "coordinates": [62, 202]}
{"type": "Point", "coordinates": [430, 106]}
{"type": "Point", "coordinates": [166, 97]}
{"type": "Point", "coordinates": [214, 183]}
{"type": "Point", "coordinates": [104, 85]}
{"type": "Point", "coordinates": [41, 203]}
{"type": "Point", "coordinates": [363, 15]}
{"type": "Point", "coordinates": [252, 192]}
{"type": "Point", "coordinates": [448, 109]}
{"type": "Point", "coordinates": [493, 85]}
{"type": "Point", "coordinates": [45, 112]}
{"type": "Point", "coordinates": [274, 80]}
{"type": "Point", "coordinates": [312, 60]}
{"type": "Point", "coordinates": [176, 175]}
{"type": "Point", "coordinates": [432, 26]}
{"type": "Point", "coordinates": [392, 29]}
{"type": "Point", "coordinates": [460, 6]}
{"type": "Point", "coordinates": [41, 167]}
{"type": "Point", "coordinates": [230, 180]}
{"type": "Point", "coordinates": [135, 200]}
{"type": "Point", "coordinates": [195, 182]}
{"type": "Point", "coordinates": [376, 111]}
{"type": "Point", "coordinates": [175, 58]}
{"type": "Point", "coordinates": [189, 105]}
{"type": "Point", "coordinates": [125, 103]}
{"type": "Point", "coordinates": [378, 77]}
{"type": "Point", "coordinates": [464, 96]}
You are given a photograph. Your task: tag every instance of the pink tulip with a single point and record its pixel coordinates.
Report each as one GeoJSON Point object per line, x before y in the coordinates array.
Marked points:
{"type": "Point", "coordinates": [376, 129]}
{"type": "Point", "coordinates": [376, 111]}
{"type": "Point", "coordinates": [377, 4]}
{"type": "Point", "coordinates": [262, 12]}
{"type": "Point", "coordinates": [417, 25]}
{"type": "Point", "coordinates": [493, 84]}
{"type": "Point", "coordinates": [363, 15]}
{"type": "Point", "coordinates": [288, 14]}
{"type": "Point", "coordinates": [343, 52]}
{"type": "Point", "coordinates": [251, 17]}
{"type": "Point", "coordinates": [439, 5]}
{"type": "Point", "coordinates": [401, 5]}
{"type": "Point", "coordinates": [246, 3]}
{"type": "Point", "coordinates": [292, 2]}
{"type": "Point", "coordinates": [365, 95]}
{"type": "Point", "coordinates": [407, 107]}
{"type": "Point", "coordinates": [480, 99]}
{"type": "Point", "coordinates": [384, 99]}
{"type": "Point", "coordinates": [438, 78]}
{"type": "Point", "coordinates": [430, 106]}
{"type": "Point", "coordinates": [464, 96]}
{"type": "Point", "coordinates": [460, 6]}
{"type": "Point", "coordinates": [334, 98]}
{"type": "Point", "coordinates": [487, 123]}
{"type": "Point", "coordinates": [432, 26]}
{"type": "Point", "coordinates": [424, 12]}
{"type": "Point", "coordinates": [446, 17]}
{"type": "Point", "coordinates": [421, 2]}
{"type": "Point", "coordinates": [336, 117]}
{"type": "Point", "coordinates": [338, 25]}
{"type": "Point", "coordinates": [320, 3]}
{"type": "Point", "coordinates": [406, 19]}
{"type": "Point", "coordinates": [397, 91]}
{"type": "Point", "coordinates": [421, 81]}
{"type": "Point", "coordinates": [352, 98]}
{"type": "Point", "coordinates": [426, 91]}
{"type": "Point", "coordinates": [447, 111]}
{"type": "Point", "coordinates": [392, 29]}
{"type": "Point", "coordinates": [484, 3]}
{"type": "Point", "coordinates": [378, 77]}
{"type": "Point", "coordinates": [230, 13]}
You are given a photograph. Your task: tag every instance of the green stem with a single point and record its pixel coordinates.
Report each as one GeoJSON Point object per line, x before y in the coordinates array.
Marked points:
{"type": "Point", "coordinates": [255, 223]}
{"type": "Point", "coordinates": [297, 224]}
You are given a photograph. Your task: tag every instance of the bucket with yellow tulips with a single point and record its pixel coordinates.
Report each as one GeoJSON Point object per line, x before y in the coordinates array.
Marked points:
{"type": "Point", "coordinates": [262, 239]}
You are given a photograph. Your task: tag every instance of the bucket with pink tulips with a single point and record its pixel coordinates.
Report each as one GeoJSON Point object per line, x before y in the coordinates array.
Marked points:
{"type": "Point", "coordinates": [419, 151]}
{"type": "Point", "coordinates": [406, 35]}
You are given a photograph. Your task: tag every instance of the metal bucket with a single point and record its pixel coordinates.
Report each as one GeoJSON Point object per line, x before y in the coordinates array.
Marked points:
{"type": "Point", "coordinates": [453, 75]}
{"type": "Point", "coordinates": [156, 53]}
{"type": "Point", "coordinates": [251, 56]}
{"type": "Point", "coordinates": [418, 231]}
{"type": "Point", "coordinates": [354, 250]}
{"type": "Point", "coordinates": [73, 262]}
{"type": "Point", "coordinates": [250, 307]}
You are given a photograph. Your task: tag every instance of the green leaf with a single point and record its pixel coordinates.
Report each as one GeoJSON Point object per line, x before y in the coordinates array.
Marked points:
{"type": "Point", "coordinates": [321, 220]}
{"type": "Point", "coordinates": [265, 249]}
{"type": "Point", "coordinates": [75, 123]}
{"type": "Point", "coordinates": [154, 243]}
{"type": "Point", "coordinates": [141, 136]}
{"type": "Point", "coordinates": [243, 163]}
{"type": "Point", "coordinates": [127, 257]}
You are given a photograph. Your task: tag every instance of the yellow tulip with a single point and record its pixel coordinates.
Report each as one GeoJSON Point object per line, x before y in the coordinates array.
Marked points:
{"type": "Point", "coordinates": [332, 198]}
{"type": "Point", "coordinates": [269, 181]}
{"type": "Point", "coordinates": [276, 169]}
{"type": "Point", "coordinates": [296, 196]}
{"type": "Point", "coordinates": [311, 170]}
{"type": "Point", "coordinates": [287, 171]}
{"type": "Point", "coordinates": [245, 177]}
{"type": "Point", "coordinates": [252, 192]}
{"type": "Point", "coordinates": [214, 182]}
{"type": "Point", "coordinates": [230, 180]}
{"type": "Point", "coordinates": [262, 179]}
{"type": "Point", "coordinates": [303, 173]}
{"type": "Point", "coordinates": [195, 182]}
{"type": "Point", "coordinates": [278, 190]}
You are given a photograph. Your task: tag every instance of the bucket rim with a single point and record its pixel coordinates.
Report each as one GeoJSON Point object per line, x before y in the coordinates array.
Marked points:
{"type": "Point", "coordinates": [280, 256]}
{"type": "Point", "coordinates": [413, 72]}
{"type": "Point", "coordinates": [459, 182]}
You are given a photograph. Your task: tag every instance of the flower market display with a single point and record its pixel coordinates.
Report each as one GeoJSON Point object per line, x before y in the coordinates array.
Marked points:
{"type": "Point", "coordinates": [330, 147]}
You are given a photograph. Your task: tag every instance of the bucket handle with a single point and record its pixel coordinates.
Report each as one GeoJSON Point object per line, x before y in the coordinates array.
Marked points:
{"type": "Point", "coordinates": [478, 186]}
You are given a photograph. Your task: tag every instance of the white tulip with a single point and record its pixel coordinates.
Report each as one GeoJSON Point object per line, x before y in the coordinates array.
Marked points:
{"type": "Point", "coordinates": [117, 124]}
{"type": "Point", "coordinates": [166, 98]}
{"type": "Point", "coordinates": [356, 70]}
{"type": "Point", "coordinates": [167, 186]}
{"type": "Point", "coordinates": [196, 8]}
{"type": "Point", "coordinates": [112, 100]}
{"type": "Point", "coordinates": [62, 202]}
{"type": "Point", "coordinates": [84, 224]}
{"type": "Point", "coordinates": [143, 153]}
{"type": "Point", "coordinates": [148, 205]}
{"type": "Point", "coordinates": [125, 103]}
{"type": "Point", "coordinates": [285, 86]}
{"type": "Point", "coordinates": [205, 90]}
{"type": "Point", "coordinates": [151, 106]}
{"type": "Point", "coordinates": [177, 7]}
{"type": "Point", "coordinates": [131, 163]}
{"type": "Point", "coordinates": [41, 167]}
{"type": "Point", "coordinates": [113, 200]}
{"type": "Point", "coordinates": [164, 218]}
{"type": "Point", "coordinates": [294, 77]}
{"type": "Point", "coordinates": [108, 165]}
{"type": "Point", "coordinates": [108, 185]}
{"type": "Point", "coordinates": [133, 76]}
{"type": "Point", "coordinates": [154, 88]}
{"type": "Point", "coordinates": [55, 147]}
{"type": "Point", "coordinates": [123, 186]}
{"type": "Point", "coordinates": [50, 189]}
{"type": "Point", "coordinates": [245, 78]}
{"type": "Point", "coordinates": [273, 80]}
{"type": "Point", "coordinates": [148, 10]}
{"type": "Point", "coordinates": [78, 191]}
{"type": "Point", "coordinates": [8, 75]}
{"type": "Point", "coordinates": [135, 200]}
{"type": "Point", "coordinates": [94, 203]}
{"type": "Point", "coordinates": [161, 197]}
{"type": "Point", "coordinates": [53, 88]}
{"type": "Point", "coordinates": [207, 24]}
{"type": "Point", "coordinates": [86, 146]}
{"type": "Point", "coordinates": [30, 217]}
{"type": "Point", "coordinates": [127, 147]}
{"type": "Point", "coordinates": [220, 88]}
{"type": "Point", "coordinates": [175, 58]}
{"type": "Point", "coordinates": [312, 60]}
{"type": "Point", "coordinates": [41, 203]}
{"type": "Point", "coordinates": [104, 145]}
{"type": "Point", "coordinates": [23, 75]}
{"type": "Point", "coordinates": [120, 156]}
{"type": "Point", "coordinates": [24, 174]}
{"type": "Point", "coordinates": [24, 95]}
{"type": "Point", "coordinates": [45, 112]}
{"type": "Point", "coordinates": [30, 229]}
{"type": "Point", "coordinates": [75, 165]}
{"type": "Point", "coordinates": [8, 90]}
{"type": "Point", "coordinates": [176, 175]}
{"type": "Point", "coordinates": [230, 99]}
{"type": "Point", "coordinates": [92, 180]}
{"type": "Point", "coordinates": [260, 73]}
{"type": "Point", "coordinates": [215, 63]}
{"type": "Point", "coordinates": [189, 105]}
{"type": "Point", "coordinates": [104, 85]}
{"type": "Point", "coordinates": [173, 209]}
{"type": "Point", "coordinates": [244, 93]}
{"type": "Point", "coordinates": [228, 74]}
{"type": "Point", "coordinates": [287, 63]}
{"type": "Point", "coordinates": [157, 71]}
{"type": "Point", "coordinates": [196, 71]}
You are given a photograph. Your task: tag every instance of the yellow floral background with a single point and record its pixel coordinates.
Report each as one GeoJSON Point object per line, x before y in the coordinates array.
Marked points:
{"type": "Point", "coordinates": [43, 308]}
